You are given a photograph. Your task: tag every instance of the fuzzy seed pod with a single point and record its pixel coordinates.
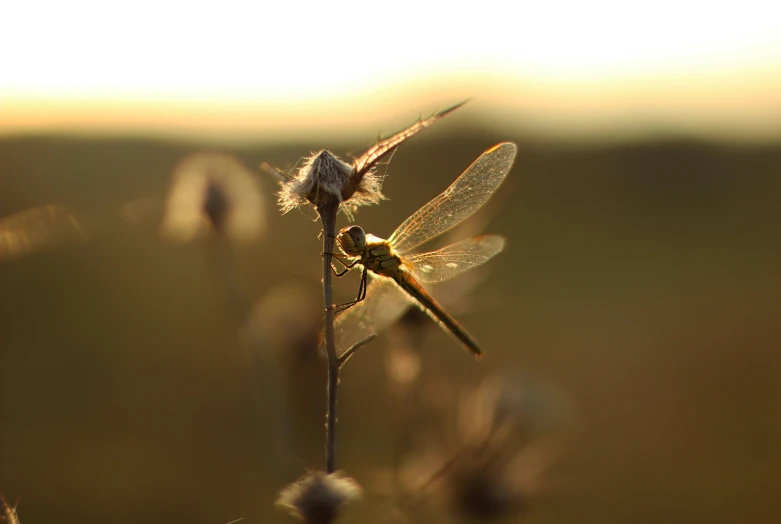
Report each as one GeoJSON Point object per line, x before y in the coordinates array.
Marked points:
{"type": "Point", "coordinates": [316, 497]}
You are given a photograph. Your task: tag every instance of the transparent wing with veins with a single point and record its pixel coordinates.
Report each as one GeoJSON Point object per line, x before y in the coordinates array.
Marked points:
{"type": "Point", "coordinates": [443, 264]}
{"type": "Point", "coordinates": [385, 301]}
{"type": "Point", "coordinates": [459, 201]}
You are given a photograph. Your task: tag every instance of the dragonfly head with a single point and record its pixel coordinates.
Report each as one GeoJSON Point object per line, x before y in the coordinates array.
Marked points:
{"type": "Point", "coordinates": [352, 240]}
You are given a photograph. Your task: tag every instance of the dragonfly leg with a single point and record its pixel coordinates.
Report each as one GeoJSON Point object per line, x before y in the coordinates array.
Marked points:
{"type": "Point", "coordinates": [361, 294]}
{"type": "Point", "coordinates": [347, 266]}
{"type": "Point", "coordinates": [339, 273]}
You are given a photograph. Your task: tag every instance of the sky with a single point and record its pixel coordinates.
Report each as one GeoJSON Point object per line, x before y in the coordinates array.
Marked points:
{"type": "Point", "coordinates": [259, 68]}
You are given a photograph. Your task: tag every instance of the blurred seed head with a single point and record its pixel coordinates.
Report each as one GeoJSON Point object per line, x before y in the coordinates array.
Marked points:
{"type": "Point", "coordinates": [482, 491]}
{"type": "Point", "coordinates": [213, 191]}
{"type": "Point", "coordinates": [494, 482]}
{"type": "Point", "coordinates": [36, 229]}
{"type": "Point", "coordinates": [317, 497]}
{"type": "Point", "coordinates": [505, 451]}
{"type": "Point", "coordinates": [505, 446]}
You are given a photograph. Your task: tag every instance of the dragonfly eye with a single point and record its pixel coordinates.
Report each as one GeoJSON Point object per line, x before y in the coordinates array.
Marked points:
{"type": "Point", "coordinates": [352, 240]}
{"type": "Point", "coordinates": [358, 236]}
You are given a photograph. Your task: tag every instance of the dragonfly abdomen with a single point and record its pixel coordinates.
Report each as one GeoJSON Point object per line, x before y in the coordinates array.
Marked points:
{"type": "Point", "coordinates": [435, 311]}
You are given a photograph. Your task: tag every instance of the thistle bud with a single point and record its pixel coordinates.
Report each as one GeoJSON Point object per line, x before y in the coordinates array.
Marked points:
{"type": "Point", "coordinates": [317, 497]}
{"type": "Point", "coordinates": [325, 179]}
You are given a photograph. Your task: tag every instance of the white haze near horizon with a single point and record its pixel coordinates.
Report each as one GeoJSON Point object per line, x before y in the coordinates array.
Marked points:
{"type": "Point", "coordinates": [240, 66]}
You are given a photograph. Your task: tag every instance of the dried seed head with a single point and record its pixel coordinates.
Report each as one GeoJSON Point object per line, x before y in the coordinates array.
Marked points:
{"type": "Point", "coordinates": [505, 450]}
{"type": "Point", "coordinates": [507, 446]}
{"type": "Point", "coordinates": [490, 482]}
{"type": "Point", "coordinates": [482, 491]}
{"type": "Point", "coordinates": [324, 178]}
{"type": "Point", "coordinates": [213, 191]}
{"type": "Point", "coordinates": [316, 497]}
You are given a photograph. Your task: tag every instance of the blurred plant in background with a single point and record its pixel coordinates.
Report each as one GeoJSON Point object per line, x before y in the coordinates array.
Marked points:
{"type": "Point", "coordinates": [38, 228]}
{"type": "Point", "coordinates": [510, 430]}
{"type": "Point", "coordinates": [213, 191]}
{"type": "Point", "coordinates": [10, 515]}
{"type": "Point", "coordinates": [281, 338]}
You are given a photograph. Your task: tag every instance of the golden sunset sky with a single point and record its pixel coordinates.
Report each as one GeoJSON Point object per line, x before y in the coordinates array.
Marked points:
{"type": "Point", "coordinates": [250, 70]}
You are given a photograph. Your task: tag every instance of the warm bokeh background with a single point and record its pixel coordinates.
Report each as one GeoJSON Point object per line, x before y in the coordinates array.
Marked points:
{"type": "Point", "coordinates": [641, 277]}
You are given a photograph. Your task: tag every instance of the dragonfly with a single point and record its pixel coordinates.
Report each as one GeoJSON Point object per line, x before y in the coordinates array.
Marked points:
{"type": "Point", "coordinates": [393, 278]}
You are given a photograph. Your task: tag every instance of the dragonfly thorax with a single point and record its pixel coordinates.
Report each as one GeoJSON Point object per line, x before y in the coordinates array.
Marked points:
{"type": "Point", "coordinates": [374, 253]}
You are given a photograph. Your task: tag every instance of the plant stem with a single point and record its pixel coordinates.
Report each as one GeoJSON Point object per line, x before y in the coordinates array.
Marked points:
{"type": "Point", "coordinates": [224, 262]}
{"type": "Point", "coordinates": [345, 356]}
{"type": "Point", "coordinates": [328, 217]}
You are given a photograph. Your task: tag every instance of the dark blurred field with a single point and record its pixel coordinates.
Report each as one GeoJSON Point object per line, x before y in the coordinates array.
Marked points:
{"type": "Point", "coordinates": [643, 280]}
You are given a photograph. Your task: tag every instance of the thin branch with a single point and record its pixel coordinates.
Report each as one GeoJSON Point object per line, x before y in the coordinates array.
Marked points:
{"type": "Point", "coordinates": [344, 357]}
{"type": "Point", "coordinates": [224, 262]}
{"type": "Point", "coordinates": [384, 146]}
{"type": "Point", "coordinates": [327, 214]}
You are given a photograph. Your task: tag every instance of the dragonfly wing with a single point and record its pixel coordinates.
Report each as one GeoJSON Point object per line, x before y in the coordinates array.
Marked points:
{"type": "Point", "coordinates": [464, 196]}
{"type": "Point", "coordinates": [448, 262]}
{"type": "Point", "coordinates": [384, 303]}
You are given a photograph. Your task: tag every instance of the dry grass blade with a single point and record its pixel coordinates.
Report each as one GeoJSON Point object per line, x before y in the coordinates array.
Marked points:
{"type": "Point", "coordinates": [375, 153]}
